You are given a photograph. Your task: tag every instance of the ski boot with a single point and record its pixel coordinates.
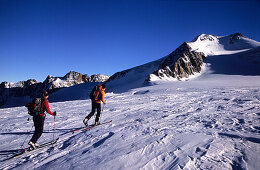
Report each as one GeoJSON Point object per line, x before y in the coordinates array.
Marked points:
{"type": "Point", "coordinates": [85, 121]}
{"type": "Point", "coordinates": [33, 145]}
{"type": "Point", "coordinates": [97, 123]}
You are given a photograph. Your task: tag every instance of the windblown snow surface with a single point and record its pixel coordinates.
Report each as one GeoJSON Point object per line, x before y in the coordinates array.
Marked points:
{"type": "Point", "coordinates": [210, 122]}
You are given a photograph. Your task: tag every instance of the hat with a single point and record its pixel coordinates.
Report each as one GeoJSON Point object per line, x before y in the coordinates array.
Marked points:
{"type": "Point", "coordinates": [45, 93]}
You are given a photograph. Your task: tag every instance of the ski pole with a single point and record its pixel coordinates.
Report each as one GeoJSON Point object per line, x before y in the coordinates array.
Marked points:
{"type": "Point", "coordinates": [26, 137]}
{"type": "Point", "coordinates": [53, 126]}
{"type": "Point", "coordinates": [103, 107]}
{"type": "Point", "coordinates": [102, 112]}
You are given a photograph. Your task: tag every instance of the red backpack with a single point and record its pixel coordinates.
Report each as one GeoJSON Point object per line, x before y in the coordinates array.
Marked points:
{"type": "Point", "coordinates": [96, 93]}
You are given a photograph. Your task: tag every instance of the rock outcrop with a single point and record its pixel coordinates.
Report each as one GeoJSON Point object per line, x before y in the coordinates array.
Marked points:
{"type": "Point", "coordinates": [181, 63]}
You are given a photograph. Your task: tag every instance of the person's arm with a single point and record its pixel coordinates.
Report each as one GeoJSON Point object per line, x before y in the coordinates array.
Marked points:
{"type": "Point", "coordinates": [103, 97]}
{"type": "Point", "coordinates": [46, 105]}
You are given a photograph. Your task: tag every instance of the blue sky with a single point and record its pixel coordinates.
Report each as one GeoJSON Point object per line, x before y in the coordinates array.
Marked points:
{"type": "Point", "coordinates": [52, 37]}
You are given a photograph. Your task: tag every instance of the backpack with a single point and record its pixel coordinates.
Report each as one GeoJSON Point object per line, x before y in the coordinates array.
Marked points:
{"type": "Point", "coordinates": [96, 93]}
{"type": "Point", "coordinates": [34, 108]}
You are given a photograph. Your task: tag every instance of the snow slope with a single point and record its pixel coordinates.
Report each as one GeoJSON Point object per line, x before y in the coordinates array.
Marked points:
{"type": "Point", "coordinates": [208, 123]}
{"type": "Point", "coordinates": [132, 78]}
{"type": "Point", "coordinates": [241, 63]}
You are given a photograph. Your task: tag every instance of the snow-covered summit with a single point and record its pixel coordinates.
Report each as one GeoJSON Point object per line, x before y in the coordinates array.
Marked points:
{"type": "Point", "coordinates": [219, 45]}
{"type": "Point", "coordinates": [205, 37]}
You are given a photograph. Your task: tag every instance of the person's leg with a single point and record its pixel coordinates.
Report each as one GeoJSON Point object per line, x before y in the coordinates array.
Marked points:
{"type": "Point", "coordinates": [92, 111]}
{"type": "Point", "coordinates": [98, 106]}
{"type": "Point", "coordinates": [85, 121]}
{"type": "Point", "coordinates": [38, 124]}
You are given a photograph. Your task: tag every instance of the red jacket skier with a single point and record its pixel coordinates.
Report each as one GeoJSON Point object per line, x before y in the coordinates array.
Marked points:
{"type": "Point", "coordinates": [39, 120]}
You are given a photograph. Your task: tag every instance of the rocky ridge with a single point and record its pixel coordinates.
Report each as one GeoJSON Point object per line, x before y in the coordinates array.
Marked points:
{"type": "Point", "coordinates": [179, 64]}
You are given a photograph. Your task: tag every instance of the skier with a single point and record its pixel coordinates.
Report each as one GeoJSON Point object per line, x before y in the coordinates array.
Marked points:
{"type": "Point", "coordinates": [38, 120]}
{"type": "Point", "coordinates": [97, 95]}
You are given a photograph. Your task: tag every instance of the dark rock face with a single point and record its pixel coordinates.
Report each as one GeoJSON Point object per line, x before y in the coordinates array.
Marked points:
{"type": "Point", "coordinates": [181, 63]}
{"type": "Point", "coordinates": [33, 89]}
{"type": "Point", "coordinates": [235, 37]}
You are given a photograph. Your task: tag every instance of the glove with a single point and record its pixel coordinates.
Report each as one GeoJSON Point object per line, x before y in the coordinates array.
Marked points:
{"type": "Point", "coordinates": [54, 113]}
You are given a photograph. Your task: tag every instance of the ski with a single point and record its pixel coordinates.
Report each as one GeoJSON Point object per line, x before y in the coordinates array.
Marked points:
{"type": "Point", "coordinates": [78, 129]}
{"type": "Point", "coordinates": [47, 144]}
{"type": "Point", "coordinates": [29, 149]}
{"type": "Point", "coordinates": [90, 126]}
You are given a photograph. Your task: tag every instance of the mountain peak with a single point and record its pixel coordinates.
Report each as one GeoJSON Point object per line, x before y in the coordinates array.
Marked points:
{"type": "Point", "coordinates": [204, 37]}
{"type": "Point", "coordinates": [208, 37]}
{"type": "Point", "coordinates": [73, 75]}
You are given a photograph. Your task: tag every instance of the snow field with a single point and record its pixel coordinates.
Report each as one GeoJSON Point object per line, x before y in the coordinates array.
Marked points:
{"type": "Point", "coordinates": [166, 126]}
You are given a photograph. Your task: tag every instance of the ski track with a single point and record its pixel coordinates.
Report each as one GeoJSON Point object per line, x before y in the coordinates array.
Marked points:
{"type": "Point", "coordinates": [153, 128]}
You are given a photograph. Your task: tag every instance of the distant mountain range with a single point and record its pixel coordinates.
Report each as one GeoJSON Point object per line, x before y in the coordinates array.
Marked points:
{"type": "Point", "coordinates": [13, 94]}
{"type": "Point", "coordinates": [232, 54]}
